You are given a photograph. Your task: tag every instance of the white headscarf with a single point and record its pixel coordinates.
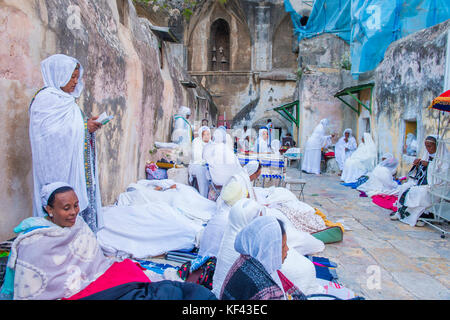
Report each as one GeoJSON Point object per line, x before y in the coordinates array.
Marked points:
{"type": "Point", "coordinates": [241, 214]}
{"type": "Point", "coordinates": [57, 71]}
{"type": "Point", "coordinates": [261, 239]}
{"type": "Point", "coordinates": [200, 132]}
{"type": "Point", "coordinates": [263, 145]}
{"type": "Point", "coordinates": [324, 122]}
{"type": "Point", "coordinates": [252, 167]}
{"type": "Point", "coordinates": [57, 132]}
{"type": "Point", "coordinates": [275, 146]}
{"type": "Point", "coordinates": [390, 162]}
{"type": "Point", "coordinates": [48, 189]}
{"type": "Point", "coordinates": [184, 111]}
{"type": "Point", "coordinates": [347, 130]}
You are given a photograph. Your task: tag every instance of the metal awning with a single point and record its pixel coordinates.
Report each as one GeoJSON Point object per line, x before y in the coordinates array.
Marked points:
{"type": "Point", "coordinates": [164, 33]}
{"type": "Point", "coordinates": [287, 112]}
{"type": "Point", "coordinates": [350, 91]}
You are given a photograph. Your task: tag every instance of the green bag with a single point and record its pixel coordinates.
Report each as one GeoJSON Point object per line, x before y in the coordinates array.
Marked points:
{"type": "Point", "coordinates": [329, 235]}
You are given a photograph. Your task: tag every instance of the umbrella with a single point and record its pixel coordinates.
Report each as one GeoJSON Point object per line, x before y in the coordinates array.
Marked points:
{"type": "Point", "coordinates": [441, 103]}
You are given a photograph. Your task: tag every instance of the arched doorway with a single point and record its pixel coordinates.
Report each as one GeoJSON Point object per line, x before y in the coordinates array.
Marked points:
{"type": "Point", "coordinates": [219, 57]}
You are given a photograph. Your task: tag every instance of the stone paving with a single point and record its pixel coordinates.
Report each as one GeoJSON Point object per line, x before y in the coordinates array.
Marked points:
{"type": "Point", "coordinates": [379, 259]}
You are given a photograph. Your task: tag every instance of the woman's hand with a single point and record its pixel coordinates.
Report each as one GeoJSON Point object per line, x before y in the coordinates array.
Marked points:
{"type": "Point", "coordinates": [416, 162]}
{"type": "Point", "coordinates": [93, 125]}
{"type": "Point", "coordinates": [424, 163]}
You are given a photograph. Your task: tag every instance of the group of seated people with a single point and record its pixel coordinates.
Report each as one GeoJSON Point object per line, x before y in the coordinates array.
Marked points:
{"type": "Point", "coordinates": [247, 230]}
{"type": "Point", "coordinates": [407, 197]}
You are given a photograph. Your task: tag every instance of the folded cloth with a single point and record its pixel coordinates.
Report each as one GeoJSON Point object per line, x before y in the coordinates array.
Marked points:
{"type": "Point", "coordinates": [385, 201]}
{"type": "Point", "coordinates": [118, 274]}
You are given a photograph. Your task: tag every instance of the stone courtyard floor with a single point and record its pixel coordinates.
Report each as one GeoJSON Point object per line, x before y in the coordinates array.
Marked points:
{"type": "Point", "coordinates": [379, 259]}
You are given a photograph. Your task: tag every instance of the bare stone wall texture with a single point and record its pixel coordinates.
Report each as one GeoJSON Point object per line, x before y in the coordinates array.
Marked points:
{"type": "Point", "coordinates": [122, 77]}
{"type": "Point", "coordinates": [410, 76]}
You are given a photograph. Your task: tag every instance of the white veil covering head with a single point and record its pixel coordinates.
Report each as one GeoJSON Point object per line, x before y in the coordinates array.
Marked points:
{"type": "Point", "coordinates": [261, 239]}
{"type": "Point", "coordinates": [220, 136]}
{"type": "Point", "coordinates": [58, 69]}
{"type": "Point", "coordinates": [389, 162]}
{"type": "Point", "coordinates": [48, 189]}
{"type": "Point", "coordinates": [347, 130]}
{"type": "Point", "coordinates": [275, 146]}
{"type": "Point", "coordinates": [57, 132]}
{"type": "Point", "coordinates": [241, 214]}
{"type": "Point", "coordinates": [439, 164]}
{"type": "Point", "coordinates": [184, 111]}
{"type": "Point", "coordinates": [252, 167]}
{"type": "Point", "coordinates": [324, 122]}
{"type": "Point", "coordinates": [200, 132]}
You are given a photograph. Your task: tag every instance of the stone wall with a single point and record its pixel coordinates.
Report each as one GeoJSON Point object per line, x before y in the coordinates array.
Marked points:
{"type": "Point", "coordinates": [123, 77]}
{"type": "Point", "coordinates": [262, 68]}
{"type": "Point", "coordinates": [406, 81]}
{"type": "Point", "coordinates": [321, 77]}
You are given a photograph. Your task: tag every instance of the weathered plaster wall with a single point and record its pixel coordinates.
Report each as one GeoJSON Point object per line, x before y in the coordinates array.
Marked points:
{"type": "Point", "coordinates": [322, 77]}
{"type": "Point", "coordinates": [409, 77]}
{"type": "Point", "coordinates": [122, 77]}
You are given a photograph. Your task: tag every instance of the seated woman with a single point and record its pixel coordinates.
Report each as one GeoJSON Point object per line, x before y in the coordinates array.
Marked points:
{"type": "Point", "coordinates": [344, 148]}
{"type": "Point", "coordinates": [262, 142]}
{"type": "Point", "coordinates": [239, 187]}
{"type": "Point", "coordinates": [58, 257]}
{"type": "Point", "coordinates": [297, 268]}
{"type": "Point", "coordinates": [275, 147]}
{"type": "Point", "coordinates": [221, 160]}
{"type": "Point", "coordinates": [381, 179]}
{"type": "Point", "coordinates": [361, 162]}
{"type": "Point", "coordinates": [197, 168]}
{"type": "Point", "coordinates": [414, 196]}
{"type": "Point", "coordinates": [255, 275]}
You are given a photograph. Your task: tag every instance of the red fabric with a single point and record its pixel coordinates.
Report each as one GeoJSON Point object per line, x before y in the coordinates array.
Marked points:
{"type": "Point", "coordinates": [119, 273]}
{"type": "Point", "coordinates": [329, 154]}
{"type": "Point", "coordinates": [287, 284]}
{"type": "Point", "coordinates": [385, 201]}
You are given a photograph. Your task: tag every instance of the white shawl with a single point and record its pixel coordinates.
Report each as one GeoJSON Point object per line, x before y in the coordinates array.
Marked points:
{"type": "Point", "coordinates": [57, 132]}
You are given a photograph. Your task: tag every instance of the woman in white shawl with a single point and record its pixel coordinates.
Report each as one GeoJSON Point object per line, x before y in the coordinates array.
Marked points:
{"type": "Point", "coordinates": [238, 187]}
{"type": "Point", "coordinates": [197, 166]}
{"type": "Point", "coordinates": [256, 275]}
{"type": "Point", "coordinates": [414, 196]}
{"type": "Point", "coordinates": [361, 162]}
{"type": "Point", "coordinates": [345, 147]}
{"type": "Point", "coordinates": [313, 148]}
{"type": "Point", "coordinates": [381, 179]}
{"type": "Point", "coordinates": [63, 138]}
{"type": "Point", "coordinates": [241, 214]}
{"type": "Point", "coordinates": [221, 160]}
{"type": "Point", "coordinates": [296, 267]}
{"type": "Point", "coordinates": [262, 143]}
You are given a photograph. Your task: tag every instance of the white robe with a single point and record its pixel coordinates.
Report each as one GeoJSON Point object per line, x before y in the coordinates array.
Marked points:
{"type": "Point", "coordinates": [57, 135]}
{"type": "Point", "coordinates": [361, 162]}
{"type": "Point", "coordinates": [197, 166]}
{"type": "Point", "coordinates": [418, 199]}
{"type": "Point", "coordinates": [313, 149]}
{"type": "Point", "coordinates": [340, 154]}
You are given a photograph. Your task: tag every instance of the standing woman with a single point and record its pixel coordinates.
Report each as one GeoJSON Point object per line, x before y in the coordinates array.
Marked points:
{"type": "Point", "coordinates": [63, 138]}
{"type": "Point", "coordinates": [313, 148]}
{"type": "Point", "coordinates": [197, 166]}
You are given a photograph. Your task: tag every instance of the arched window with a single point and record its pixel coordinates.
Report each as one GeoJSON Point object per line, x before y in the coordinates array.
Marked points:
{"type": "Point", "coordinates": [219, 53]}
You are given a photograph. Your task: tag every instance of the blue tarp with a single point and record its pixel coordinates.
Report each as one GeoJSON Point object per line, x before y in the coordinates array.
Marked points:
{"type": "Point", "coordinates": [369, 26]}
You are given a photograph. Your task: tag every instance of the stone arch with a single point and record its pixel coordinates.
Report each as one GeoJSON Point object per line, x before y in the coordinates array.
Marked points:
{"type": "Point", "coordinates": [219, 46]}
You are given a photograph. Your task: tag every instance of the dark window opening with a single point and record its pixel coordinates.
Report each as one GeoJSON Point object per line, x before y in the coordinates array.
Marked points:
{"type": "Point", "coordinates": [219, 57]}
